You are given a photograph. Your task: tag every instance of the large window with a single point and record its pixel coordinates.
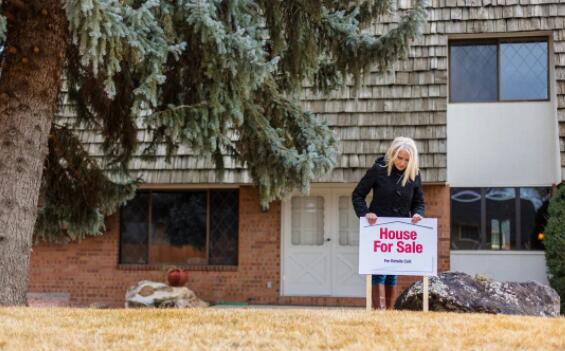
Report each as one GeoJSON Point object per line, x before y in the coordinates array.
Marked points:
{"type": "Point", "coordinates": [498, 218]}
{"type": "Point", "coordinates": [182, 228]}
{"type": "Point", "coordinates": [498, 70]}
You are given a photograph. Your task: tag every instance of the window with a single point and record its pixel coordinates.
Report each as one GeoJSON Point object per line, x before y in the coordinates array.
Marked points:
{"type": "Point", "coordinates": [499, 70]}
{"type": "Point", "coordinates": [466, 218]}
{"type": "Point", "coordinates": [473, 72]}
{"type": "Point", "coordinates": [498, 218]}
{"type": "Point", "coordinates": [307, 218]}
{"type": "Point", "coordinates": [182, 228]}
{"type": "Point", "coordinates": [348, 223]}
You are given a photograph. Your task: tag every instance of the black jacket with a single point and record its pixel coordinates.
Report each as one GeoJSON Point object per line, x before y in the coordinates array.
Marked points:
{"type": "Point", "coordinates": [390, 198]}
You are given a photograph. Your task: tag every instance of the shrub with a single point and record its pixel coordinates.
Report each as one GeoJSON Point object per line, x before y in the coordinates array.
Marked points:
{"type": "Point", "coordinates": [554, 240]}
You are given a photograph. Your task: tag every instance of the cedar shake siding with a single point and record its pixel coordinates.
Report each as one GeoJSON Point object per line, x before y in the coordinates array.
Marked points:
{"type": "Point", "coordinates": [409, 99]}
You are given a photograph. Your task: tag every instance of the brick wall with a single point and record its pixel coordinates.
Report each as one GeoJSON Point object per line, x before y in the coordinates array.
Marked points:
{"type": "Point", "coordinates": [88, 272]}
{"type": "Point", "coordinates": [437, 206]}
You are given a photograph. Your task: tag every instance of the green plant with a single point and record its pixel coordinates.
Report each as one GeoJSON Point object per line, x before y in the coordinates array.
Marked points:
{"type": "Point", "coordinates": [554, 240]}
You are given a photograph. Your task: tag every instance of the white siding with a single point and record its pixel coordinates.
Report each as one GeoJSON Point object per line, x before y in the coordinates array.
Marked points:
{"type": "Point", "coordinates": [517, 266]}
{"type": "Point", "coordinates": [502, 144]}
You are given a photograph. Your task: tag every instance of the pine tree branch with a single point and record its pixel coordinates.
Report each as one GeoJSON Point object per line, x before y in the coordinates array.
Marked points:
{"type": "Point", "coordinates": [77, 194]}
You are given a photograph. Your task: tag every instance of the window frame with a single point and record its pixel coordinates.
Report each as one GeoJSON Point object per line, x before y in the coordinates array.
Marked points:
{"type": "Point", "coordinates": [516, 240]}
{"type": "Point", "coordinates": [206, 266]}
{"type": "Point", "coordinates": [497, 42]}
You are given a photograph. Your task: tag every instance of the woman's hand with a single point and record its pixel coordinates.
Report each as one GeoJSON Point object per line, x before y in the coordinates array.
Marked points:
{"type": "Point", "coordinates": [416, 218]}
{"type": "Point", "coordinates": [371, 218]}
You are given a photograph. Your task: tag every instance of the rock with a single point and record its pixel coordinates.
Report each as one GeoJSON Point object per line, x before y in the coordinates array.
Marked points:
{"type": "Point", "coordinates": [154, 294]}
{"type": "Point", "coordinates": [459, 292]}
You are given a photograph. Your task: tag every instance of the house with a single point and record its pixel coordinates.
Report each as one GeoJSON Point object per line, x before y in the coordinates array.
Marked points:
{"type": "Point", "coordinates": [482, 93]}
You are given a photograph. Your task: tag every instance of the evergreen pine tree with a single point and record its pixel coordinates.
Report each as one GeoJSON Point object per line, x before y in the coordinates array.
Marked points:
{"type": "Point", "coordinates": [220, 76]}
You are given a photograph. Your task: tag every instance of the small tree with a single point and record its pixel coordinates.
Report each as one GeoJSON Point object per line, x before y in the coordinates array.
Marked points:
{"type": "Point", "coordinates": [555, 244]}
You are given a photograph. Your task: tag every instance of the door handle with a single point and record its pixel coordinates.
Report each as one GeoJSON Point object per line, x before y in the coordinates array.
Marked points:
{"type": "Point", "coordinates": [328, 239]}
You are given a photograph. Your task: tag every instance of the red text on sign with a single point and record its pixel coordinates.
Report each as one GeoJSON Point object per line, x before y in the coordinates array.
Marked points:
{"type": "Point", "coordinates": [397, 234]}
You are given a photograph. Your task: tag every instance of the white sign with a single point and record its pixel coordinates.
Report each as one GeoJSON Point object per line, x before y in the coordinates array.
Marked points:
{"type": "Point", "coordinates": [396, 246]}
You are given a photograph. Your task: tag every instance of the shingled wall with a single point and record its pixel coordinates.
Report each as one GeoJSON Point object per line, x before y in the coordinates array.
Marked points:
{"type": "Point", "coordinates": [410, 99]}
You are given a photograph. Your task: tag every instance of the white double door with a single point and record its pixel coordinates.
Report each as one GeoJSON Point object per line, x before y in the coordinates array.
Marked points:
{"type": "Point", "coordinates": [320, 251]}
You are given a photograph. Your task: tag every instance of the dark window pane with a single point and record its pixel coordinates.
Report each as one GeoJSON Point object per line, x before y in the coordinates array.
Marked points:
{"type": "Point", "coordinates": [465, 218]}
{"type": "Point", "coordinates": [133, 229]}
{"type": "Point", "coordinates": [523, 71]}
{"type": "Point", "coordinates": [501, 218]}
{"type": "Point", "coordinates": [178, 224]}
{"type": "Point", "coordinates": [224, 206]}
{"type": "Point", "coordinates": [473, 73]}
{"type": "Point", "coordinates": [533, 208]}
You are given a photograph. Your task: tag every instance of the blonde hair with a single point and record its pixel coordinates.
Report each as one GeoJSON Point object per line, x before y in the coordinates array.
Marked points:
{"type": "Point", "coordinates": [408, 145]}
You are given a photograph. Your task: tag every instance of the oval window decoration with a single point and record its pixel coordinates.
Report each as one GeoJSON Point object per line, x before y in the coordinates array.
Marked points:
{"type": "Point", "coordinates": [501, 194]}
{"type": "Point", "coordinates": [466, 196]}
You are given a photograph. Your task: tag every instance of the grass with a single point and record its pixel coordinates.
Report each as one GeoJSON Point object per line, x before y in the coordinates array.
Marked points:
{"type": "Point", "coordinates": [51, 329]}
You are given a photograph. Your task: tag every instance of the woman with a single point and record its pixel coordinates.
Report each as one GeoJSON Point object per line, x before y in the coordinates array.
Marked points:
{"type": "Point", "coordinates": [397, 192]}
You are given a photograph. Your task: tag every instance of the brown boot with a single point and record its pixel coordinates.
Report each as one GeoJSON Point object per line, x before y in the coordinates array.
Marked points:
{"type": "Point", "coordinates": [390, 296]}
{"type": "Point", "coordinates": [378, 296]}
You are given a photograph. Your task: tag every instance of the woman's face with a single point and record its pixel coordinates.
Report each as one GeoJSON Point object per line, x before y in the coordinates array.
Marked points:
{"type": "Point", "coordinates": [402, 160]}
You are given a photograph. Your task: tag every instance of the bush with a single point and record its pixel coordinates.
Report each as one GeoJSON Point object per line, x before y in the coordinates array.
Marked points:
{"type": "Point", "coordinates": [554, 240]}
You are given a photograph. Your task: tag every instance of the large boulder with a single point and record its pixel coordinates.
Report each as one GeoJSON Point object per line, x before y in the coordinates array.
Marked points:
{"type": "Point", "coordinates": [459, 292]}
{"type": "Point", "coordinates": [154, 294]}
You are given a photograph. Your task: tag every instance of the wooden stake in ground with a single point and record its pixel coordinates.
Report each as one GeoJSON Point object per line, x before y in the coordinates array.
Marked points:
{"type": "Point", "coordinates": [368, 292]}
{"type": "Point", "coordinates": [425, 297]}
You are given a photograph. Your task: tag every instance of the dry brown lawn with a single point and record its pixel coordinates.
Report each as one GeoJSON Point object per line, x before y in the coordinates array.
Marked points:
{"type": "Point", "coordinates": [53, 329]}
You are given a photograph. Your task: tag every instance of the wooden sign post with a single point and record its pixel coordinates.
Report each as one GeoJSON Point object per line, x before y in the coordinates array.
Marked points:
{"type": "Point", "coordinates": [425, 296]}
{"type": "Point", "coordinates": [369, 293]}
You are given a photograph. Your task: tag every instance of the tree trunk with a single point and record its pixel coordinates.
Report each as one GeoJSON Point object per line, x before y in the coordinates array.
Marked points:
{"type": "Point", "coordinates": [29, 86]}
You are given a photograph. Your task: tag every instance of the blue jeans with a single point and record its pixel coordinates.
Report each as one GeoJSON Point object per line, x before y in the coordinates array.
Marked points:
{"type": "Point", "coordinates": [389, 280]}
